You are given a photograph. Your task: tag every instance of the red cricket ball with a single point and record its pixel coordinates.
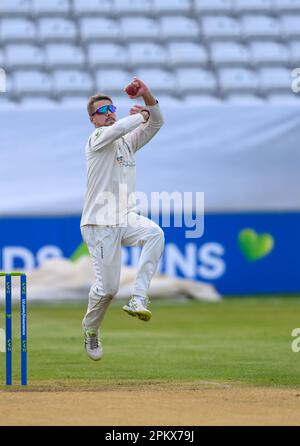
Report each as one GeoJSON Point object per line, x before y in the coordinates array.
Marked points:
{"type": "Point", "coordinates": [131, 90]}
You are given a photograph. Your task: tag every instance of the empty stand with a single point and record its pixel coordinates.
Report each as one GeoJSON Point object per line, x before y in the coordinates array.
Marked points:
{"type": "Point", "coordinates": [294, 51]}
{"type": "Point", "coordinates": [237, 79]}
{"type": "Point", "coordinates": [275, 79]}
{"type": "Point", "coordinates": [282, 99]}
{"type": "Point", "coordinates": [106, 54]}
{"type": "Point", "coordinates": [213, 6]}
{"type": "Point", "coordinates": [160, 80]}
{"type": "Point", "coordinates": [195, 80]}
{"type": "Point", "coordinates": [147, 54]}
{"type": "Point", "coordinates": [287, 5]}
{"type": "Point", "coordinates": [204, 100]}
{"type": "Point", "coordinates": [142, 28]}
{"type": "Point", "coordinates": [24, 56]}
{"type": "Point", "coordinates": [229, 53]}
{"type": "Point", "coordinates": [212, 50]}
{"type": "Point", "coordinates": [178, 28]}
{"type": "Point", "coordinates": [64, 55]}
{"type": "Point", "coordinates": [39, 103]}
{"type": "Point", "coordinates": [56, 29]}
{"type": "Point", "coordinates": [243, 99]}
{"type": "Point", "coordinates": [255, 26]}
{"type": "Point", "coordinates": [19, 8]}
{"type": "Point", "coordinates": [220, 27]}
{"type": "Point", "coordinates": [261, 6]}
{"type": "Point", "coordinates": [92, 7]}
{"type": "Point", "coordinates": [99, 29]}
{"type": "Point", "coordinates": [171, 7]}
{"type": "Point", "coordinates": [186, 53]}
{"type": "Point", "coordinates": [112, 80]}
{"type": "Point", "coordinates": [51, 7]}
{"type": "Point", "coordinates": [72, 82]}
{"type": "Point", "coordinates": [17, 30]}
{"type": "Point", "coordinates": [136, 7]}
{"type": "Point", "coordinates": [268, 53]}
{"type": "Point", "coordinates": [290, 26]}
{"type": "Point", "coordinates": [31, 83]}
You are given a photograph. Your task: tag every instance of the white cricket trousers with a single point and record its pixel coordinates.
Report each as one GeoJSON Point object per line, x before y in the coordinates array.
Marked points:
{"type": "Point", "coordinates": [104, 244]}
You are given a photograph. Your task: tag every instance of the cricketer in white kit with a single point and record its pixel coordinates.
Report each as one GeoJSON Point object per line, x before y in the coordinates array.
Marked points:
{"type": "Point", "coordinates": [110, 219]}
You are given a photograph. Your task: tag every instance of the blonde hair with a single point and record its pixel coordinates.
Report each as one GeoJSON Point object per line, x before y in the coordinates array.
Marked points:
{"type": "Point", "coordinates": [95, 98]}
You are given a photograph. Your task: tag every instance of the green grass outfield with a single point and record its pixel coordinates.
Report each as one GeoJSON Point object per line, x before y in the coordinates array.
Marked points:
{"type": "Point", "coordinates": [241, 340]}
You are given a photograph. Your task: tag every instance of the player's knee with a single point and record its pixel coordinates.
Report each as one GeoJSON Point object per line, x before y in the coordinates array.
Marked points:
{"type": "Point", "coordinates": [157, 233]}
{"type": "Point", "coordinates": [104, 293]}
{"type": "Point", "coordinates": [111, 291]}
{"type": "Point", "coordinates": [109, 295]}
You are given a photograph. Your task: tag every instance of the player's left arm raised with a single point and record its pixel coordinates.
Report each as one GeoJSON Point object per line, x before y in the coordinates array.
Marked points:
{"type": "Point", "coordinates": [141, 135]}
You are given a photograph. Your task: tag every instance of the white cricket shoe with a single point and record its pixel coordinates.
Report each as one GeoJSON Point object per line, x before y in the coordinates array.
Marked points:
{"type": "Point", "coordinates": [92, 344]}
{"type": "Point", "coordinates": [137, 306]}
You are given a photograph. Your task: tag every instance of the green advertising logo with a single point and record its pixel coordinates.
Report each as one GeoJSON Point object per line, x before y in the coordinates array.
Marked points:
{"type": "Point", "coordinates": [82, 250]}
{"type": "Point", "coordinates": [255, 246]}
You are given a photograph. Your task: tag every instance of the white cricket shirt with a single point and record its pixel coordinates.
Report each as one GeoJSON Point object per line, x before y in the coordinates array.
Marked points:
{"type": "Point", "coordinates": [109, 151]}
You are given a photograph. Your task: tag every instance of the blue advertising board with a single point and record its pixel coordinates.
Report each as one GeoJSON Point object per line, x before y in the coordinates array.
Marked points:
{"type": "Point", "coordinates": [241, 254]}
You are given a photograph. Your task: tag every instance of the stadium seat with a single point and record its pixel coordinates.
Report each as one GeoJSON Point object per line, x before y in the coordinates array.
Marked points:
{"type": "Point", "coordinates": [74, 102]}
{"type": "Point", "coordinates": [18, 56]}
{"type": "Point", "coordinates": [241, 6]}
{"type": "Point", "coordinates": [64, 55]}
{"type": "Point", "coordinates": [167, 100]}
{"type": "Point", "coordinates": [171, 7]}
{"type": "Point", "coordinates": [259, 26]}
{"type": "Point", "coordinates": [268, 53]}
{"type": "Point", "coordinates": [178, 28]}
{"type": "Point", "coordinates": [229, 53]}
{"type": "Point", "coordinates": [284, 99]}
{"type": "Point", "coordinates": [31, 83]}
{"type": "Point", "coordinates": [99, 29]}
{"type": "Point", "coordinates": [92, 7]}
{"type": "Point", "coordinates": [195, 80]}
{"type": "Point", "coordinates": [106, 54]}
{"type": "Point", "coordinates": [243, 99]}
{"type": "Point", "coordinates": [220, 27]}
{"type": "Point", "coordinates": [56, 29]}
{"type": "Point", "coordinates": [290, 25]}
{"type": "Point", "coordinates": [201, 100]}
{"type": "Point", "coordinates": [158, 80]}
{"type": "Point", "coordinates": [136, 7]}
{"type": "Point", "coordinates": [275, 79]}
{"type": "Point", "coordinates": [50, 7]}
{"type": "Point", "coordinates": [237, 79]}
{"type": "Point", "coordinates": [38, 103]}
{"type": "Point", "coordinates": [186, 53]}
{"type": "Point", "coordinates": [15, 7]}
{"type": "Point", "coordinates": [139, 28]}
{"type": "Point", "coordinates": [295, 53]}
{"type": "Point", "coordinates": [112, 80]}
{"type": "Point", "coordinates": [72, 82]}
{"type": "Point", "coordinates": [287, 5]}
{"type": "Point", "coordinates": [17, 30]}
{"type": "Point", "coordinates": [146, 54]}
{"type": "Point", "coordinates": [124, 102]}
{"type": "Point", "coordinates": [213, 6]}
{"type": "Point", "coordinates": [7, 104]}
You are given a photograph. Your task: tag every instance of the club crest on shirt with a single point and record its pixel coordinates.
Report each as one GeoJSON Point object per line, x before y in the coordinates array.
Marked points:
{"type": "Point", "coordinates": [98, 132]}
{"type": "Point", "coordinates": [125, 163]}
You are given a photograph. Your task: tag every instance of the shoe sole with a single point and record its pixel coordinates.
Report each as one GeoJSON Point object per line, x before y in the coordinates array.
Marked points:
{"type": "Point", "coordinates": [94, 359]}
{"type": "Point", "coordinates": [142, 315]}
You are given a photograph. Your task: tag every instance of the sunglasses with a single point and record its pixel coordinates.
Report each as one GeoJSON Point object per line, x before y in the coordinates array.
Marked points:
{"type": "Point", "coordinates": [104, 109]}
